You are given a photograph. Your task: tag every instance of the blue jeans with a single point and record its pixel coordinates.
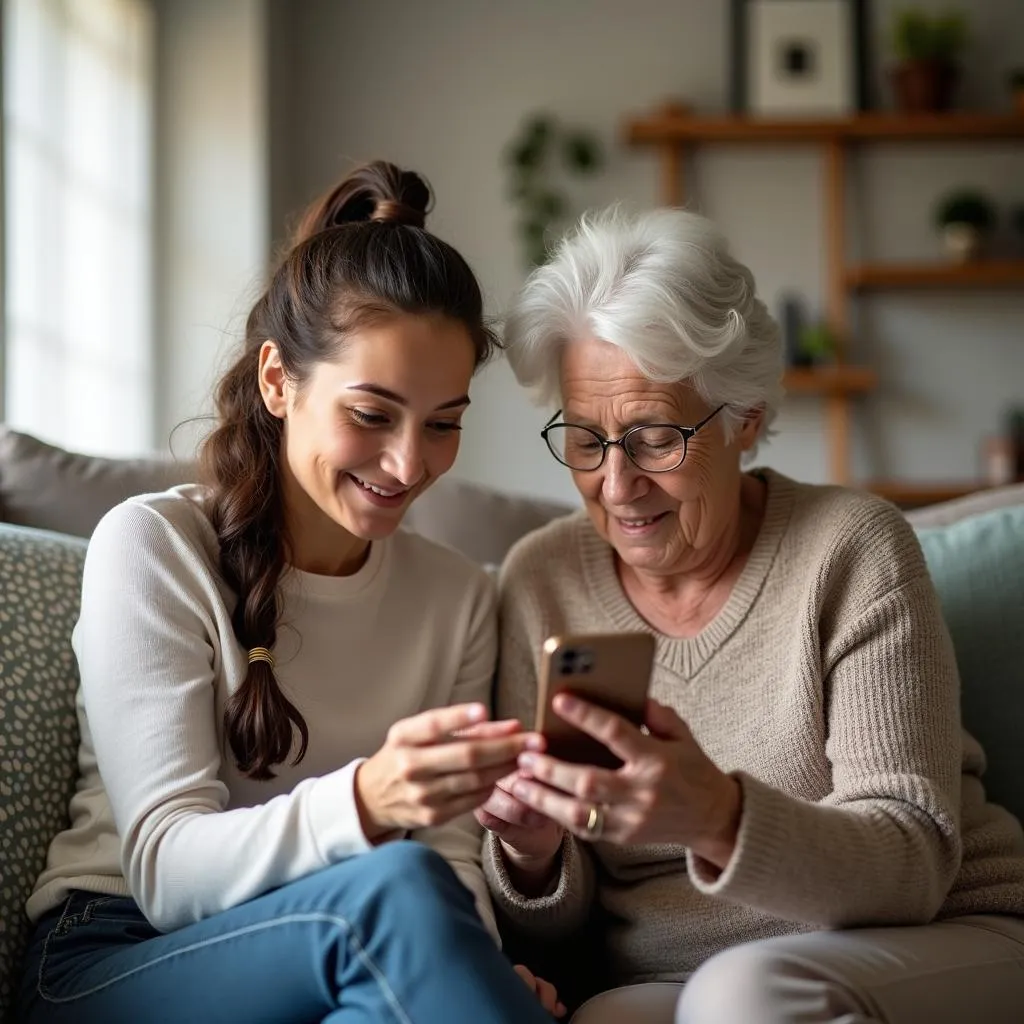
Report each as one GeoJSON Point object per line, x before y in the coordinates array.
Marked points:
{"type": "Point", "coordinates": [389, 936]}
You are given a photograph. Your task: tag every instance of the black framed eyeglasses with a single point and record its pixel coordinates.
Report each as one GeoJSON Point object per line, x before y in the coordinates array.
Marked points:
{"type": "Point", "coordinates": [651, 447]}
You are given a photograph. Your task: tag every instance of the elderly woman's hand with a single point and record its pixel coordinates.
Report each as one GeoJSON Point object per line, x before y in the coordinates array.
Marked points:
{"type": "Point", "coordinates": [530, 841]}
{"type": "Point", "coordinates": [667, 790]}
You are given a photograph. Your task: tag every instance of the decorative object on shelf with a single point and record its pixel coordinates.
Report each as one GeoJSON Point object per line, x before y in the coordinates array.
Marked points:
{"type": "Point", "coordinates": [540, 156]}
{"type": "Point", "coordinates": [965, 218]}
{"type": "Point", "coordinates": [1015, 433]}
{"type": "Point", "coordinates": [1017, 89]}
{"type": "Point", "coordinates": [927, 48]}
{"type": "Point", "coordinates": [1017, 224]}
{"type": "Point", "coordinates": [799, 58]}
{"type": "Point", "coordinates": [997, 458]}
{"type": "Point", "coordinates": [791, 318]}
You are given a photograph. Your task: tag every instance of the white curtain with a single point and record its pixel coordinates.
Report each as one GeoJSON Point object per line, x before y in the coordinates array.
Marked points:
{"type": "Point", "coordinates": [77, 121]}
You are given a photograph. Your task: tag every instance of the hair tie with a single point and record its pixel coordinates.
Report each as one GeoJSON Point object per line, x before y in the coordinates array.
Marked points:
{"type": "Point", "coordinates": [261, 654]}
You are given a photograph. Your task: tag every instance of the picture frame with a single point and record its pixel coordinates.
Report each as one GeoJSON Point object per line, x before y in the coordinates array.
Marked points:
{"type": "Point", "coordinates": [796, 59]}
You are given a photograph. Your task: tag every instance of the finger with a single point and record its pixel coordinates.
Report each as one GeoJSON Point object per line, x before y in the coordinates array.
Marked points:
{"type": "Point", "coordinates": [524, 973]}
{"type": "Point", "coordinates": [622, 738]}
{"type": "Point", "coordinates": [454, 808]}
{"type": "Point", "coordinates": [570, 813]}
{"type": "Point", "coordinates": [506, 807]}
{"type": "Point", "coordinates": [470, 755]}
{"type": "Point", "coordinates": [443, 788]}
{"type": "Point", "coordinates": [664, 722]}
{"type": "Point", "coordinates": [435, 725]}
{"type": "Point", "coordinates": [547, 994]}
{"type": "Point", "coordinates": [587, 782]}
{"type": "Point", "coordinates": [489, 730]}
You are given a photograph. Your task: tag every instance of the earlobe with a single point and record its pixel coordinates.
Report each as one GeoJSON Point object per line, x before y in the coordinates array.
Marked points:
{"type": "Point", "coordinates": [751, 428]}
{"type": "Point", "coordinates": [273, 381]}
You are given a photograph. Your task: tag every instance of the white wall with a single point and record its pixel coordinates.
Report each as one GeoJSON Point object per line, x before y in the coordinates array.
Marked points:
{"type": "Point", "coordinates": [212, 197]}
{"type": "Point", "coordinates": [441, 87]}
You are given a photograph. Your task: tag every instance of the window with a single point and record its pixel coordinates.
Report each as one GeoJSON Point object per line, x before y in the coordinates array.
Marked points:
{"type": "Point", "coordinates": [77, 124]}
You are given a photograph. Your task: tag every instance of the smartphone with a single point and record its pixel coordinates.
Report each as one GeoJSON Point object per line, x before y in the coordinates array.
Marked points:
{"type": "Point", "coordinates": [609, 669]}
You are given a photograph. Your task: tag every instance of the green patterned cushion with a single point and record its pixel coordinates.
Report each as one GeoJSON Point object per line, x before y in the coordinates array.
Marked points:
{"type": "Point", "coordinates": [40, 580]}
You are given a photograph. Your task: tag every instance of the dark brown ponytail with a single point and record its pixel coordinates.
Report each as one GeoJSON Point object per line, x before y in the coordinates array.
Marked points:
{"type": "Point", "coordinates": [360, 250]}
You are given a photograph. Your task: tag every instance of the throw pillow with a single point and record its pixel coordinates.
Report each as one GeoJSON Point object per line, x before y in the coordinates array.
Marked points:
{"type": "Point", "coordinates": [52, 489]}
{"type": "Point", "coordinates": [40, 580]}
{"type": "Point", "coordinates": [978, 568]}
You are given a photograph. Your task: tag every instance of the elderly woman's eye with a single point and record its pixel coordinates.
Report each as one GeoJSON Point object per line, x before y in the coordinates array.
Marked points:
{"type": "Point", "coordinates": [658, 440]}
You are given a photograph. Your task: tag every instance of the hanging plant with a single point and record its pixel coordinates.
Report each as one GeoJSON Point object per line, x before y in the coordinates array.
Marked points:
{"type": "Point", "coordinates": [538, 160]}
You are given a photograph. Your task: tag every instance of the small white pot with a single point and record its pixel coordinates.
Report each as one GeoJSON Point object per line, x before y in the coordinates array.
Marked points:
{"type": "Point", "coordinates": [961, 241]}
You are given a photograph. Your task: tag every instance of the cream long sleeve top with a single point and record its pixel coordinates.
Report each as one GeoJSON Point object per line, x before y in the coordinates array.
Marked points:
{"type": "Point", "coordinates": [161, 812]}
{"type": "Point", "coordinates": [827, 684]}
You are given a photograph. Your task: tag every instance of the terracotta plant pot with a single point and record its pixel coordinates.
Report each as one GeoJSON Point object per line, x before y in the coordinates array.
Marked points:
{"type": "Point", "coordinates": [961, 241]}
{"type": "Point", "coordinates": [924, 86]}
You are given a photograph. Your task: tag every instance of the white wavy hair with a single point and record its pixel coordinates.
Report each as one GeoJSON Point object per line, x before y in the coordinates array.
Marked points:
{"type": "Point", "coordinates": [663, 287]}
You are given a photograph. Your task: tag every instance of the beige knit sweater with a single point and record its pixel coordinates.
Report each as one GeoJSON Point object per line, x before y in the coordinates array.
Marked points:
{"type": "Point", "coordinates": [828, 684]}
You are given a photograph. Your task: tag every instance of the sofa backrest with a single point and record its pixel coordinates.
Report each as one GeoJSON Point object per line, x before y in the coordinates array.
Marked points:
{"type": "Point", "coordinates": [52, 489]}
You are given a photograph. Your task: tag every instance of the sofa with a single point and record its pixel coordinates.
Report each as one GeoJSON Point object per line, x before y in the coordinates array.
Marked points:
{"type": "Point", "coordinates": [51, 499]}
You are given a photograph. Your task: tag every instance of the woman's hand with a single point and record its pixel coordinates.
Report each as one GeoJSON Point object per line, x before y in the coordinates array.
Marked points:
{"type": "Point", "coordinates": [435, 766]}
{"type": "Point", "coordinates": [667, 790]}
{"type": "Point", "coordinates": [530, 841]}
{"type": "Point", "coordinates": [544, 989]}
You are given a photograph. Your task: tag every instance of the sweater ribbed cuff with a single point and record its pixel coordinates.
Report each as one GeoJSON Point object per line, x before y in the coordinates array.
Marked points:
{"type": "Point", "coordinates": [333, 815]}
{"type": "Point", "coordinates": [764, 838]}
{"type": "Point", "coordinates": [559, 913]}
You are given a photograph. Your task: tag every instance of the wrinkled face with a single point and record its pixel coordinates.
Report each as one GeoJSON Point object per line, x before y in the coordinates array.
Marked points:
{"type": "Point", "coordinates": [371, 430]}
{"type": "Point", "coordinates": [657, 522]}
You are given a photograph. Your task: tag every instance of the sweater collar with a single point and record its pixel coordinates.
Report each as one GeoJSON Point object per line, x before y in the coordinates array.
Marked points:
{"type": "Point", "coordinates": [686, 657]}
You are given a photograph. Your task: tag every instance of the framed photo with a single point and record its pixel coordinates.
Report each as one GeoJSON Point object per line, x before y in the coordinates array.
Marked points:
{"type": "Point", "coordinates": [799, 58]}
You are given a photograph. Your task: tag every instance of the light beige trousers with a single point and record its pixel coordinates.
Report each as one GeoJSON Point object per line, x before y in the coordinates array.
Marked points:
{"type": "Point", "coordinates": [958, 971]}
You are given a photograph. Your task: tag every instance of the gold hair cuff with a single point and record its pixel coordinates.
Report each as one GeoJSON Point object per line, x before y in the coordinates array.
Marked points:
{"type": "Point", "coordinates": [261, 654]}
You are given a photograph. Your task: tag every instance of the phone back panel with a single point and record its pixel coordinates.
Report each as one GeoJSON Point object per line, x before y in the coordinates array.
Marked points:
{"type": "Point", "coordinates": [612, 670]}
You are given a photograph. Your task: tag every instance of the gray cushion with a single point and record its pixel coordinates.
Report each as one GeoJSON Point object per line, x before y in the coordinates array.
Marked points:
{"type": "Point", "coordinates": [52, 489]}
{"type": "Point", "coordinates": [40, 580]}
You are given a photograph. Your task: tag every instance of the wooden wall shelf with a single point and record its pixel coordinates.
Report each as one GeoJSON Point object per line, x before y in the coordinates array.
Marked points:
{"type": "Point", "coordinates": [673, 131]}
{"type": "Point", "coordinates": [978, 274]}
{"type": "Point", "coordinates": [830, 380]}
{"type": "Point", "coordinates": [668, 128]}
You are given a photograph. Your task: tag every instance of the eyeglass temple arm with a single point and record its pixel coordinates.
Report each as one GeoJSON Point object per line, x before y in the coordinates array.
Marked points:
{"type": "Point", "coordinates": [552, 420]}
{"type": "Point", "coordinates": [710, 416]}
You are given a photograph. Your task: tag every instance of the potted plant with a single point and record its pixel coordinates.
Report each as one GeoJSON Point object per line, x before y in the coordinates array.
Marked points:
{"type": "Point", "coordinates": [964, 217]}
{"type": "Point", "coordinates": [927, 47]}
{"type": "Point", "coordinates": [817, 344]}
{"type": "Point", "coordinates": [1017, 89]}
{"type": "Point", "coordinates": [538, 159]}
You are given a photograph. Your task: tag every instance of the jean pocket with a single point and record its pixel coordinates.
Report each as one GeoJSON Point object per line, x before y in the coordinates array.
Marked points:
{"type": "Point", "coordinates": [89, 929]}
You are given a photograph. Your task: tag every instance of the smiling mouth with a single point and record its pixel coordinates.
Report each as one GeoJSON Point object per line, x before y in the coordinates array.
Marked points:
{"type": "Point", "coordinates": [375, 489]}
{"type": "Point", "coordinates": [636, 524]}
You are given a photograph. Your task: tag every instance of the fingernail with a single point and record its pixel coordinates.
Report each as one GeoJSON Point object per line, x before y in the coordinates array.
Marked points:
{"type": "Point", "coordinates": [568, 702]}
{"type": "Point", "coordinates": [520, 789]}
{"type": "Point", "coordinates": [534, 742]}
{"type": "Point", "coordinates": [477, 713]}
{"type": "Point", "coordinates": [527, 760]}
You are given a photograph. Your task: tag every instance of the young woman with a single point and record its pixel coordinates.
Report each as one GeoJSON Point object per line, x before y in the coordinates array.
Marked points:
{"type": "Point", "coordinates": [278, 687]}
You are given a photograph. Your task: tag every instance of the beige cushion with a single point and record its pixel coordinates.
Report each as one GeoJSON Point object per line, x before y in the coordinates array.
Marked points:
{"type": "Point", "coordinates": [51, 489]}
{"type": "Point", "coordinates": [962, 508]}
{"type": "Point", "coordinates": [480, 522]}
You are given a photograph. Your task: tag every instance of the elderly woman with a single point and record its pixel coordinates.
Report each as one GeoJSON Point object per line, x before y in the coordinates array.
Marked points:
{"type": "Point", "coordinates": [799, 832]}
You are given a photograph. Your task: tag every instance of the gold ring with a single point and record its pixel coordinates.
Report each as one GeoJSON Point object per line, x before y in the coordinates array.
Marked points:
{"type": "Point", "coordinates": [595, 822]}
